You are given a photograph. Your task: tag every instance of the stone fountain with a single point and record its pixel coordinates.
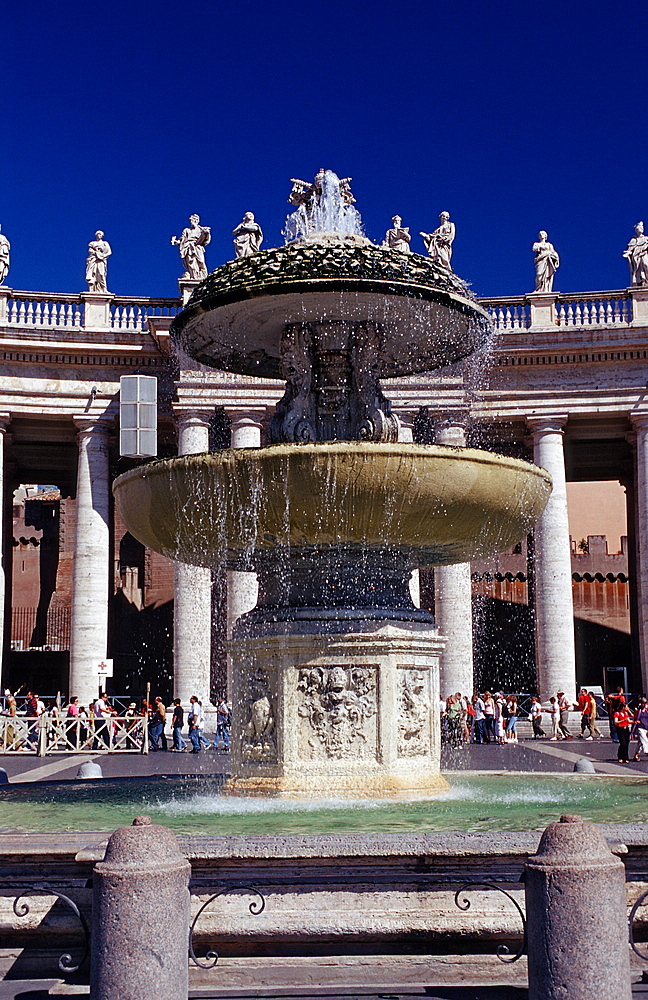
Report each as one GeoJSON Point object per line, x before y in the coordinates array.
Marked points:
{"type": "Point", "coordinates": [335, 672]}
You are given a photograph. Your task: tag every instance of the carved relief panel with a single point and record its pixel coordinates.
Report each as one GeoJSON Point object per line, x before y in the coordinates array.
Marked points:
{"type": "Point", "coordinates": [337, 711]}
{"type": "Point", "coordinates": [258, 738]}
{"type": "Point", "coordinates": [414, 712]}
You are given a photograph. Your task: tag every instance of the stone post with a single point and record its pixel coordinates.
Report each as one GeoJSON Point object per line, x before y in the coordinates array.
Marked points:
{"type": "Point", "coordinates": [453, 600]}
{"type": "Point", "coordinates": [639, 296]}
{"type": "Point", "coordinates": [140, 916]}
{"type": "Point", "coordinates": [5, 295]}
{"type": "Point", "coordinates": [543, 310]}
{"type": "Point", "coordinates": [640, 422]}
{"type": "Point", "coordinates": [5, 553]}
{"type": "Point", "coordinates": [192, 589]}
{"type": "Point", "coordinates": [96, 313]}
{"type": "Point", "coordinates": [91, 570]}
{"type": "Point", "coordinates": [576, 912]}
{"type": "Point", "coordinates": [554, 607]}
{"type": "Point", "coordinates": [186, 286]}
{"type": "Point", "coordinates": [242, 587]}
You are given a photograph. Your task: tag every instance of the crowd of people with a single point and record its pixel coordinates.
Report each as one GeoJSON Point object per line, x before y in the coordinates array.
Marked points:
{"type": "Point", "coordinates": [101, 726]}
{"type": "Point", "coordinates": [493, 718]}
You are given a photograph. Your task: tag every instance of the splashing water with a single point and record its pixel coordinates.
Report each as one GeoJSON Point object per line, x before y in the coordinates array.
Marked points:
{"type": "Point", "coordinates": [325, 208]}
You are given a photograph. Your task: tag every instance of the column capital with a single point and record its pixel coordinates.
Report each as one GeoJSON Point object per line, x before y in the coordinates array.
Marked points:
{"type": "Point", "coordinates": [186, 414]}
{"type": "Point", "coordinates": [253, 414]}
{"type": "Point", "coordinates": [5, 420]}
{"type": "Point", "coordinates": [639, 420]}
{"type": "Point", "coordinates": [551, 423]}
{"type": "Point", "coordinates": [87, 424]}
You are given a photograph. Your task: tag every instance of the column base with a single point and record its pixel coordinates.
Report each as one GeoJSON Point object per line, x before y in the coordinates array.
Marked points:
{"type": "Point", "coordinates": [349, 712]}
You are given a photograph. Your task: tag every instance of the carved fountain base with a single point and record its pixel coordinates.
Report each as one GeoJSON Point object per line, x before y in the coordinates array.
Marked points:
{"type": "Point", "coordinates": [351, 711]}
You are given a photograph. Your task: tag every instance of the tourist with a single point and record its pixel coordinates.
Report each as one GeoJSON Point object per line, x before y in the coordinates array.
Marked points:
{"type": "Point", "coordinates": [500, 718]}
{"type": "Point", "coordinates": [615, 702]}
{"type": "Point", "coordinates": [640, 728]}
{"type": "Point", "coordinates": [132, 717]}
{"type": "Point", "coordinates": [196, 720]}
{"type": "Point", "coordinates": [622, 723]}
{"type": "Point", "coordinates": [453, 715]}
{"type": "Point", "coordinates": [584, 709]}
{"type": "Point", "coordinates": [479, 728]}
{"type": "Point", "coordinates": [35, 708]}
{"type": "Point", "coordinates": [101, 713]}
{"type": "Point", "coordinates": [591, 715]}
{"type": "Point", "coordinates": [84, 728]}
{"type": "Point", "coordinates": [463, 716]}
{"type": "Point", "coordinates": [177, 722]}
{"type": "Point", "coordinates": [157, 738]}
{"type": "Point", "coordinates": [564, 708]}
{"type": "Point", "coordinates": [535, 714]}
{"type": "Point", "coordinates": [489, 715]}
{"type": "Point", "coordinates": [511, 725]}
{"type": "Point", "coordinates": [9, 736]}
{"type": "Point", "coordinates": [222, 725]}
{"type": "Point", "coordinates": [554, 715]}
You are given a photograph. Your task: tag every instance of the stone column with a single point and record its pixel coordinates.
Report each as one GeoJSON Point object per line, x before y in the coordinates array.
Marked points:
{"type": "Point", "coordinates": [554, 608]}
{"type": "Point", "coordinates": [6, 554]}
{"type": "Point", "coordinates": [242, 587]}
{"type": "Point", "coordinates": [641, 533]}
{"type": "Point", "coordinates": [91, 571]}
{"type": "Point", "coordinates": [406, 420]}
{"type": "Point", "coordinates": [192, 589]}
{"type": "Point", "coordinates": [453, 600]}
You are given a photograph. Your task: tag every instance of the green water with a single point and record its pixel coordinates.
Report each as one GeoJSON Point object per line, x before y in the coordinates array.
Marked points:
{"type": "Point", "coordinates": [194, 806]}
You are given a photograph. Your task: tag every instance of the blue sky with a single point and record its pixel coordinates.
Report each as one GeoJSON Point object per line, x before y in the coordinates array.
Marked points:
{"type": "Point", "coordinates": [129, 116]}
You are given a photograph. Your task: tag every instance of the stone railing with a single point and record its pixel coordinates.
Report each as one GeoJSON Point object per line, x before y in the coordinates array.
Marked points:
{"type": "Point", "coordinates": [48, 310]}
{"type": "Point", "coordinates": [44, 309]}
{"type": "Point", "coordinates": [546, 310]}
{"type": "Point", "coordinates": [134, 313]}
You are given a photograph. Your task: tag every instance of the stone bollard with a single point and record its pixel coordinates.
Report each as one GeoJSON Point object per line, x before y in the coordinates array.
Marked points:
{"type": "Point", "coordinates": [584, 766]}
{"type": "Point", "coordinates": [140, 917]}
{"type": "Point", "coordinates": [577, 923]}
{"type": "Point", "coordinates": [89, 770]}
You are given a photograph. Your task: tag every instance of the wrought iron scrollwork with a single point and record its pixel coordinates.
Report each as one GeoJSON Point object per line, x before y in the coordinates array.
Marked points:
{"type": "Point", "coordinates": [256, 906]}
{"type": "Point", "coordinates": [502, 950]}
{"type": "Point", "coordinates": [21, 909]}
{"type": "Point", "coordinates": [639, 902]}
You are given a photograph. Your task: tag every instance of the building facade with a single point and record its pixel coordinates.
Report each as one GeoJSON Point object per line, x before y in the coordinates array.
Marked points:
{"type": "Point", "coordinates": [563, 383]}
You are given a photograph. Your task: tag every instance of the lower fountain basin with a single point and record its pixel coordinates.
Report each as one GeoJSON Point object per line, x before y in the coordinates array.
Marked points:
{"type": "Point", "coordinates": [441, 505]}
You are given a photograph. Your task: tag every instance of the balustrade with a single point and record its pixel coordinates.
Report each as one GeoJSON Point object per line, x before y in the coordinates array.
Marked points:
{"type": "Point", "coordinates": [508, 314]}
{"type": "Point", "coordinates": [134, 313]}
{"type": "Point", "coordinates": [599, 309]}
{"type": "Point", "coordinates": [45, 309]}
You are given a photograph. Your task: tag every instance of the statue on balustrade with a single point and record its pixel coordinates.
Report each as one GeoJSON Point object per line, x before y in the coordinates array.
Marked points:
{"type": "Point", "coordinates": [398, 238]}
{"type": "Point", "coordinates": [99, 250]}
{"type": "Point", "coordinates": [439, 243]}
{"type": "Point", "coordinates": [637, 256]}
{"type": "Point", "coordinates": [5, 247]}
{"type": "Point", "coordinates": [547, 263]}
{"type": "Point", "coordinates": [247, 236]}
{"type": "Point", "coordinates": [192, 245]}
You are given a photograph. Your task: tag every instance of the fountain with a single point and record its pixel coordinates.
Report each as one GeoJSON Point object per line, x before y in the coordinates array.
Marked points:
{"type": "Point", "coordinates": [335, 672]}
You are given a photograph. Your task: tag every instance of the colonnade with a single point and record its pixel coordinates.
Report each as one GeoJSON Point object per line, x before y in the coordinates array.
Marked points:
{"type": "Point", "coordinates": [554, 624]}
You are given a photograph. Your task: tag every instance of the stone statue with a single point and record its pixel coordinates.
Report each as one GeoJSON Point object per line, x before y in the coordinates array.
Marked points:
{"type": "Point", "coordinates": [547, 263]}
{"type": "Point", "coordinates": [99, 250]}
{"type": "Point", "coordinates": [192, 245]}
{"type": "Point", "coordinates": [247, 236]}
{"type": "Point", "coordinates": [258, 731]}
{"type": "Point", "coordinates": [439, 243]}
{"type": "Point", "coordinates": [5, 247]}
{"type": "Point", "coordinates": [398, 238]}
{"type": "Point", "coordinates": [414, 715]}
{"type": "Point", "coordinates": [637, 256]}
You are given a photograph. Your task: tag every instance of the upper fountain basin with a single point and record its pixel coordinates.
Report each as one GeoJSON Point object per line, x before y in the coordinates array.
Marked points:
{"type": "Point", "coordinates": [442, 505]}
{"type": "Point", "coordinates": [425, 314]}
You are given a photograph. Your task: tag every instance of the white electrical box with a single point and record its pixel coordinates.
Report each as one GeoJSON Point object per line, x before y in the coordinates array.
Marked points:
{"type": "Point", "coordinates": [138, 416]}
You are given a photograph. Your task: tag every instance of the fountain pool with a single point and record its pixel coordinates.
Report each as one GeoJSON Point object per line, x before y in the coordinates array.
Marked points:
{"type": "Point", "coordinates": [192, 805]}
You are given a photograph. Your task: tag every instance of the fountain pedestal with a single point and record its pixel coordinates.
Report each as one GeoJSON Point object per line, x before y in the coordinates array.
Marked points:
{"type": "Point", "coordinates": [351, 711]}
